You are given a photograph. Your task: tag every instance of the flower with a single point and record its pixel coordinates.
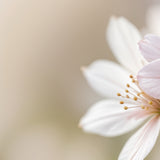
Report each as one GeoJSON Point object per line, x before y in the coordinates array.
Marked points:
{"type": "Point", "coordinates": [149, 75]}
{"type": "Point", "coordinates": [128, 106]}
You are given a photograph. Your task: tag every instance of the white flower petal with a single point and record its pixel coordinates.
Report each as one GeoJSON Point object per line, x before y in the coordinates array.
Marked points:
{"type": "Point", "coordinates": [123, 37]}
{"type": "Point", "coordinates": [142, 142]}
{"type": "Point", "coordinates": [149, 47]}
{"type": "Point", "coordinates": [106, 77]}
{"type": "Point", "coordinates": [108, 118]}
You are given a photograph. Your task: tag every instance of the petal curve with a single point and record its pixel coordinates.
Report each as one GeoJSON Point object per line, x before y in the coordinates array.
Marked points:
{"type": "Point", "coordinates": [123, 38]}
{"type": "Point", "coordinates": [149, 79]}
{"type": "Point", "coordinates": [108, 118]}
{"type": "Point", "coordinates": [106, 77]}
{"type": "Point", "coordinates": [142, 142]}
{"type": "Point", "coordinates": [150, 47]}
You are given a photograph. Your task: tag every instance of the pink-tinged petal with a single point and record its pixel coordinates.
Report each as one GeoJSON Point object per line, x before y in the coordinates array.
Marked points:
{"type": "Point", "coordinates": [149, 79]}
{"type": "Point", "coordinates": [108, 118]}
{"type": "Point", "coordinates": [150, 47]}
{"type": "Point", "coordinates": [123, 38]}
{"type": "Point", "coordinates": [142, 142]}
{"type": "Point", "coordinates": [106, 77]}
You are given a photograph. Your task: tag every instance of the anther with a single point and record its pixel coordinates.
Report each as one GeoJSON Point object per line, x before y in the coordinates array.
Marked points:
{"type": "Point", "coordinates": [135, 98]}
{"type": "Point", "coordinates": [128, 85]}
{"type": "Point", "coordinates": [133, 81]}
{"type": "Point", "coordinates": [121, 102]}
{"type": "Point", "coordinates": [126, 91]}
{"type": "Point", "coordinates": [150, 102]}
{"type": "Point", "coordinates": [118, 94]}
{"type": "Point", "coordinates": [127, 96]}
{"type": "Point", "coordinates": [131, 76]}
{"type": "Point", "coordinates": [125, 107]}
{"type": "Point", "coordinates": [143, 107]}
{"type": "Point", "coordinates": [138, 94]}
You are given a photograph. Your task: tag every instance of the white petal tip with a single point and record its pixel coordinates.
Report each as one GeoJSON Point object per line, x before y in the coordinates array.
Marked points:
{"type": "Point", "coordinates": [83, 68]}
{"type": "Point", "coordinates": [79, 125]}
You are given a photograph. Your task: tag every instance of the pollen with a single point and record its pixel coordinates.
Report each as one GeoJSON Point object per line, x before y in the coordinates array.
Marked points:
{"type": "Point", "coordinates": [125, 107]}
{"type": "Point", "coordinates": [121, 102]}
{"type": "Point", "coordinates": [118, 94]}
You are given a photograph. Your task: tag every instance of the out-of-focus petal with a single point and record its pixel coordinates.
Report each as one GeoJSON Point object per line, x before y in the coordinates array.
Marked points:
{"type": "Point", "coordinates": [108, 118]}
{"type": "Point", "coordinates": [149, 79]}
{"type": "Point", "coordinates": [142, 142]}
{"type": "Point", "coordinates": [106, 77]}
{"type": "Point", "coordinates": [123, 38]}
{"type": "Point", "coordinates": [150, 47]}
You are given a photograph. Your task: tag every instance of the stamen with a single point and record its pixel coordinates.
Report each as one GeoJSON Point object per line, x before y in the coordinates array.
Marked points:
{"type": "Point", "coordinates": [128, 85]}
{"type": "Point", "coordinates": [131, 76]}
{"type": "Point", "coordinates": [138, 94]}
{"type": "Point", "coordinates": [138, 98]}
{"type": "Point", "coordinates": [125, 107]}
{"type": "Point", "coordinates": [134, 90]}
{"type": "Point", "coordinates": [142, 106]}
{"type": "Point", "coordinates": [126, 90]}
{"type": "Point", "coordinates": [135, 98]}
{"type": "Point", "coordinates": [133, 80]}
{"type": "Point", "coordinates": [121, 102]}
{"type": "Point", "coordinates": [150, 102]}
{"type": "Point", "coordinates": [134, 106]}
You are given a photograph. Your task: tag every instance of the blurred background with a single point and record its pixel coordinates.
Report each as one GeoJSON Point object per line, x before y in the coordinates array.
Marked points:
{"type": "Point", "coordinates": [43, 44]}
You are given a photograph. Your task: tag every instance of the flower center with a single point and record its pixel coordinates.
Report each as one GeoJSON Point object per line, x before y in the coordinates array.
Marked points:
{"type": "Point", "coordinates": [134, 97]}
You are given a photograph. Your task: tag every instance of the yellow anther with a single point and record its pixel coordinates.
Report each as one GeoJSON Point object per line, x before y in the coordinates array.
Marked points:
{"type": "Point", "coordinates": [131, 76]}
{"type": "Point", "coordinates": [125, 107]}
{"type": "Point", "coordinates": [121, 102]}
{"type": "Point", "coordinates": [128, 85]}
{"type": "Point", "coordinates": [127, 96]}
{"type": "Point", "coordinates": [150, 102]}
{"type": "Point", "coordinates": [118, 94]}
{"type": "Point", "coordinates": [138, 94]}
{"type": "Point", "coordinates": [126, 91]}
{"type": "Point", "coordinates": [142, 92]}
{"type": "Point", "coordinates": [133, 80]}
{"type": "Point", "coordinates": [147, 108]}
{"type": "Point", "coordinates": [143, 107]}
{"type": "Point", "coordinates": [135, 98]}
